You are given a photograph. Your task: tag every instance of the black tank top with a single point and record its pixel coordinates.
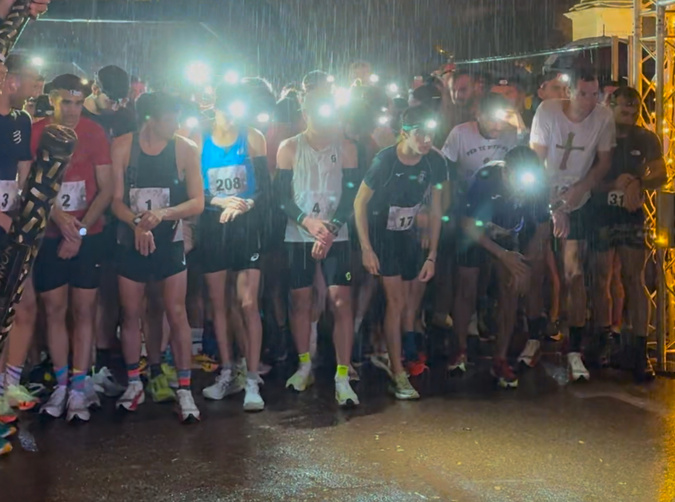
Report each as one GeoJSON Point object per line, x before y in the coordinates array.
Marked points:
{"type": "Point", "coordinates": [152, 182]}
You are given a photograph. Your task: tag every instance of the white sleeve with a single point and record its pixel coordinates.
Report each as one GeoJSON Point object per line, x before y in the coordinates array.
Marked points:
{"type": "Point", "coordinates": [541, 127]}
{"type": "Point", "coordinates": [607, 135]}
{"type": "Point", "coordinates": [451, 147]}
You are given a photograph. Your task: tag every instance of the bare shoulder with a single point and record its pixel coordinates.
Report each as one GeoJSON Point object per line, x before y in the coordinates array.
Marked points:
{"type": "Point", "coordinates": [286, 153]}
{"type": "Point", "coordinates": [257, 142]}
{"type": "Point", "coordinates": [185, 145]}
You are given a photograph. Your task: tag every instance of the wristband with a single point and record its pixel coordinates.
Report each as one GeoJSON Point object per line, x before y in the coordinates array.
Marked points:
{"type": "Point", "coordinates": [431, 260]}
{"type": "Point", "coordinates": [300, 217]}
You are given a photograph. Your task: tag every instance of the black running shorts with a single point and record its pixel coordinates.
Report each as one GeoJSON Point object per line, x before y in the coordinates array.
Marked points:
{"type": "Point", "coordinates": [83, 271]}
{"type": "Point", "coordinates": [336, 267]}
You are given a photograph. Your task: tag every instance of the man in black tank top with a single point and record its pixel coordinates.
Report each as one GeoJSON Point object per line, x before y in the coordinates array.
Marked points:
{"type": "Point", "coordinates": [157, 184]}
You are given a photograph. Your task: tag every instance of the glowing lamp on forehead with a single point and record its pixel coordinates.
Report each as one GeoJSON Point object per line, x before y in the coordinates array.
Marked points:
{"type": "Point", "coordinates": [231, 77]}
{"type": "Point", "coordinates": [374, 79]}
{"type": "Point", "coordinates": [430, 124]}
{"type": "Point", "coordinates": [564, 77]}
{"type": "Point", "coordinates": [330, 79]}
{"type": "Point", "coordinates": [383, 120]}
{"type": "Point", "coordinates": [263, 118]}
{"type": "Point", "coordinates": [192, 123]}
{"type": "Point", "coordinates": [85, 81]}
{"type": "Point", "coordinates": [325, 111]}
{"type": "Point", "coordinates": [37, 61]}
{"type": "Point", "coordinates": [237, 109]}
{"type": "Point", "coordinates": [393, 88]}
{"type": "Point", "coordinates": [198, 73]}
{"type": "Point", "coordinates": [528, 178]}
{"type": "Point", "coordinates": [342, 96]}
{"type": "Point", "coordinates": [500, 114]}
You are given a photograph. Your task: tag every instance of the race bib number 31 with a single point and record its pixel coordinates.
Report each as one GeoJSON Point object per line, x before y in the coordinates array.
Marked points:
{"type": "Point", "coordinates": [227, 181]}
{"type": "Point", "coordinates": [615, 199]}
{"type": "Point", "coordinates": [401, 218]}
{"type": "Point", "coordinates": [72, 196]}
{"type": "Point", "coordinates": [148, 199]}
{"type": "Point", "coordinates": [9, 195]}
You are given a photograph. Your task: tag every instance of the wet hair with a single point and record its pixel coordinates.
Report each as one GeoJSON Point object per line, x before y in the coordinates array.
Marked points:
{"type": "Point", "coordinates": [371, 96]}
{"type": "Point", "coordinates": [582, 75]}
{"type": "Point", "coordinates": [629, 93]}
{"type": "Point", "coordinates": [315, 98]}
{"type": "Point", "coordinates": [492, 101]}
{"type": "Point", "coordinates": [522, 157]}
{"type": "Point", "coordinates": [415, 115]}
{"type": "Point", "coordinates": [228, 93]}
{"type": "Point", "coordinates": [428, 95]}
{"type": "Point", "coordinates": [155, 105]}
{"type": "Point", "coordinates": [360, 115]}
{"type": "Point", "coordinates": [315, 79]}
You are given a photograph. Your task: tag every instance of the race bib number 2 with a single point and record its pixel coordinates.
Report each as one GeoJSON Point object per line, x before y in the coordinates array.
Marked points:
{"type": "Point", "coordinates": [72, 196]}
{"type": "Point", "coordinates": [9, 195]}
{"type": "Point", "coordinates": [401, 218]}
{"type": "Point", "coordinates": [615, 198]}
{"type": "Point", "coordinates": [148, 199]}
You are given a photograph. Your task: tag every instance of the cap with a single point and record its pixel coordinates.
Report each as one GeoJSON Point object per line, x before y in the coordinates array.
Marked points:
{"type": "Point", "coordinates": [114, 82]}
{"type": "Point", "coordinates": [508, 82]}
{"type": "Point", "coordinates": [68, 82]}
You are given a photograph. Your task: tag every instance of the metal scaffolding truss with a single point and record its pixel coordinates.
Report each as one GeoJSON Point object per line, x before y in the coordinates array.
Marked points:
{"type": "Point", "coordinates": [652, 74]}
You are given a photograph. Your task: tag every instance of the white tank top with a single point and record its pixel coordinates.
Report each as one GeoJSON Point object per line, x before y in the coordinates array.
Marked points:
{"type": "Point", "coordinates": [317, 187]}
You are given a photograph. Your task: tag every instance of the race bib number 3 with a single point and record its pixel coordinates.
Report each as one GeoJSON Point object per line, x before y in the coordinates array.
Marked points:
{"type": "Point", "coordinates": [401, 218]}
{"type": "Point", "coordinates": [148, 199]}
{"type": "Point", "coordinates": [615, 199]}
{"type": "Point", "coordinates": [9, 195]}
{"type": "Point", "coordinates": [72, 196]}
{"type": "Point", "coordinates": [227, 181]}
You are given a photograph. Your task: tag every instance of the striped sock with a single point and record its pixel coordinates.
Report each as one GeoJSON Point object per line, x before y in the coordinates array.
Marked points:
{"type": "Point", "coordinates": [184, 377]}
{"type": "Point", "coordinates": [77, 380]}
{"type": "Point", "coordinates": [13, 375]}
{"type": "Point", "coordinates": [133, 373]}
{"type": "Point", "coordinates": [62, 376]}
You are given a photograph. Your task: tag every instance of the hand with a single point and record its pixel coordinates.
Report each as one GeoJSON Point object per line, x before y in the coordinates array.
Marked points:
{"type": "Point", "coordinates": [622, 182]}
{"type": "Point", "coordinates": [5, 222]}
{"type": "Point", "coordinates": [320, 250]}
{"type": "Point", "coordinates": [427, 272]}
{"type": "Point", "coordinates": [68, 224]}
{"type": "Point", "coordinates": [150, 219]}
{"type": "Point", "coordinates": [318, 230]}
{"type": "Point", "coordinates": [515, 120]}
{"type": "Point", "coordinates": [516, 265]}
{"type": "Point", "coordinates": [633, 196]}
{"type": "Point", "coordinates": [561, 224]}
{"type": "Point", "coordinates": [69, 248]}
{"type": "Point", "coordinates": [572, 197]}
{"type": "Point", "coordinates": [145, 242]}
{"type": "Point", "coordinates": [38, 7]}
{"type": "Point", "coordinates": [229, 214]}
{"type": "Point", "coordinates": [230, 202]}
{"type": "Point", "coordinates": [370, 261]}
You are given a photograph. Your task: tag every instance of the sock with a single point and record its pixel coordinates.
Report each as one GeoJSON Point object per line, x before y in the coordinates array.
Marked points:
{"type": "Point", "coordinates": [167, 356]}
{"type": "Point", "coordinates": [342, 371]}
{"type": "Point", "coordinates": [305, 362]}
{"type": "Point", "coordinates": [155, 370]}
{"type": "Point", "coordinates": [133, 373]}
{"type": "Point", "coordinates": [77, 380]}
{"type": "Point", "coordinates": [576, 334]}
{"type": "Point", "coordinates": [61, 376]}
{"type": "Point", "coordinates": [184, 377]}
{"type": "Point", "coordinates": [536, 327]}
{"type": "Point", "coordinates": [252, 375]}
{"type": "Point", "coordinates": [13, 375]}
{"type": "Point", "coordinates": [410, 346]}
{"type": "Point", "coordinates": [357, 324]}
{"type": "Point", "coordinates": [103, 358]}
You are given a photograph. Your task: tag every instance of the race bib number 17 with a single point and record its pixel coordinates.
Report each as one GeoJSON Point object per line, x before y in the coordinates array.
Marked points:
{"type": "Point", "coordinates": [401, 218]}
{"type": "Point", "coordinates": [72, 196]}
{"type": "Point", "coordinates": [148, 199]}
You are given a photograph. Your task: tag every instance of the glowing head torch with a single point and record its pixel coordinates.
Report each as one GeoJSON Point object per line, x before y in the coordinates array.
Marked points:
{"type": "Point", "coordinates": [383, 120]}
{"type": "Point", "coordinates": [326, 111]}
{"type": "Point", "coordinates": [237, 109]}
{"type": "Point", "coordinates": [263, 118]}
{"type": "Point", "coordinates": [231, 77]}
{"type": "Point", "coordinates": [192, 122]}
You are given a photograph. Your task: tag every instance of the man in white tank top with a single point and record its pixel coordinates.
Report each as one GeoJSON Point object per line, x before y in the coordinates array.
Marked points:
{"type": "Point", "coordinates": [575, 139]}
{"type": "Point", "coordinates": [317, 180]}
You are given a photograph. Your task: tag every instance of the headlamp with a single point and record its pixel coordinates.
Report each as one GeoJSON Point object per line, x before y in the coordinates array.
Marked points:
{"type": "Point", "coordinates": [192, 122]}
{"type": "Point", "coordinates": [325, 110]}
{"type": "Point", "coordinates": [231, 77]}
{"type": "Point", "coordinates": [198, 73]}
{"type": "Point", "coordinates": [374, 79]}
{"type": "Point", "coordinates": [383, 120]}
{"type": "Point", "coordinates": [237, 109]}
{"type": "Point", "coordinates": [342, 96]}
{"type": "Point", "coordinates": [263, 118]}
{"type": "Point", "coordinates": [500, 114]}
{"type": "Point", "coordinates": [392, 88]}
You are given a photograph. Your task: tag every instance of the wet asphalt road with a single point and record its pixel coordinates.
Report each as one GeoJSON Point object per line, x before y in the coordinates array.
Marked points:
{"type": "Point", "coordinates": [607, 440]}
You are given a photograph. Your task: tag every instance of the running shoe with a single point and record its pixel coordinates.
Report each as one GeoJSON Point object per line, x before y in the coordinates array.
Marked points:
{"type": "Point", "coordinates": [252, 399]}
{"type": "Point", "coordinates": [187, 409]}
{"type": "Point", "coordinates": [577, 368]}
{"type": "Point", "coordinates": [505, 376]}
{"type": "Point", "coordinates": [19, 398]}
{"type": "Point", "coordinates": [381, 361]}
{"type": "Point", "coordinates": [132, 397]}
{"type": "Point", "coordinates": [56, 404]}
{"type": "Point", "coordinates": [91, 397]}
{"type": "Point", "coordinates": [531, 353]}
{"type": "Point", "coordinates": [457, 365]}
{"type": "Point", "coordinates": [5, 447]}
{"type": "Point", "coordinates": [105, 383]}
{"type": "Point", "coordinates": [344, 394]}
{"type": "Point", "coordinates": [553, 331]}
{"type": "Point", "coordinates": [6, 431]}
{"type": "Point", "coordinates": [7, 414]}
{"type": "Point", "coordinates": [159, 389]}
{"type": "Point", "coordinates": [225, 385]}
{"type": "Point", "coordinates": [416, 368]}
{"type": "Point", "coordinates": [402, 388]}
{"type": "Point", "coordinates": [171, 375]}
{"type": "Point", "coordinates": [472, 330]}
{"type": "Point", "coordinates": [442, 322]}
{"type": "Point", "coordinates": [353, 374]}
{"type": "Point", "coordinates": [301, 380]}
{"type": "Point", "coordinates": [77, 407]}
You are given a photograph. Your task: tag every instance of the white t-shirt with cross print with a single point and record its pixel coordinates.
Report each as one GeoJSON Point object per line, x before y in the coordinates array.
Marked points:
{"type": "Point", "coordinates": [572, 147]}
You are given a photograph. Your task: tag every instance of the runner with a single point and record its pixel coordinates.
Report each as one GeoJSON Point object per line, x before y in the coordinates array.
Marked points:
{"type": "Point", "coordinates": [317, 181]}
{"type": "Point", "coordinates": [157, 185]}
{"type": "Point", "coordinates": [236, 184]}
{"type": "Point", "coordinates": [67, 270]}
{"type": "Point", "coordinates": [388, 201]}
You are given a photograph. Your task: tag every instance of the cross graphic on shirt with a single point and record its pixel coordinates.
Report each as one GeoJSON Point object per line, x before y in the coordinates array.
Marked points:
{"type": "Point", "coordinates": [569, 148]}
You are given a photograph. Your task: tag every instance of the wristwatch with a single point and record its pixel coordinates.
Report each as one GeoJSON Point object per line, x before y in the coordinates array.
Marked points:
{"type": "Point", "coordinates": [83, 231]}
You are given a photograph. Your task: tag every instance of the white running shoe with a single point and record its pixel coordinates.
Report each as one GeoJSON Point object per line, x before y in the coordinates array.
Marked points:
{"type": "Point", "coordinates": [344, 394]}
{"type": "Point", "coordinates": [576, 367]}
{"type": "Point", "coordinates": [187, 409]}
{"type": "Point", "coordinates": [77, 406]}
{"type": "Point", "coordinates": [402, 388]}
{"type": "Point", "coordinates": [530, 354]}
{"type": "Point", "coordinates": [226, 384]}
{"type": "Point", "coordinates": [132, 397]}
{"type": "Point", "coordinates": [90, 394]}
{"type": "Point", "coordinates": [381, 361]}
{"type": "Point", "coordinates": [57, 402]}
{"type": "Point", "coordinates": [105, 383]}
{"type": "Point", "coordinates": [301, 379]}
{"type": "Point", "coordinates": [472, 330]}
{"type": "Point", "coordinates": [252, 400]}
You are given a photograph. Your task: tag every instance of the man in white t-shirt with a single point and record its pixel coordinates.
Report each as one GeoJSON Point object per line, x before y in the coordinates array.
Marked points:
{"type": "Point", "coordinates": [575, 139]}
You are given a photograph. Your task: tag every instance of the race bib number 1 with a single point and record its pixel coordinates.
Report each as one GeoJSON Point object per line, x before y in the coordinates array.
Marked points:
{"type": "Point", "coordinates": [227, 181]}
{"type": "Point", "coordinates": [615, 199]}
{"type": "Point", "coordinates": [401, 218]}
{"type": "Point", "coordinates": [148, 199]}
{"type": "Point", "coordinates": [9, 195]}
{"type": "Point", "coordinates": [72, 196]}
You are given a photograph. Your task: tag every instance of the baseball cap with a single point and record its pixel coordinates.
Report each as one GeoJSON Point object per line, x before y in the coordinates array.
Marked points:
{"type": "Point", "coordinates": [114, 82]}
{"type": "Point", "coordinates": [16, 63]}
{"type": "Point", "coordinates": [507, 82]}
{"type": "Point", "coordinates": [67, 82]}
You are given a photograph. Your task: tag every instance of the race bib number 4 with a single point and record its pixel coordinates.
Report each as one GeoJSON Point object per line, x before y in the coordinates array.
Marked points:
{"type": "Point", "coordinates": [9, 195]}
{"type": "Point", "coordinates": [72, 196]}
{"type": "Point", "coordinates": [148, 199]}
{"type": "Point", "coordinates": [322, 205]}
{"type": "Point", "coordinates": [227, 181]}
{"type": "Point", "coordinates": [401, 218]}
{"type": "Point", "coordinates": [615, 198]}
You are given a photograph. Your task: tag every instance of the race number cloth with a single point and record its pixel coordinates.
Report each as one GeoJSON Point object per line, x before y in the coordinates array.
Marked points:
{"type": "Point", "coordinates": [9, 195]}
{"type": "Point", "coordinates": [228, 181]}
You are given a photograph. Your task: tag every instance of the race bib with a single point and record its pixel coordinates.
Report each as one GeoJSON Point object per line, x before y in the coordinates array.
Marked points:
{"type": "Point", "coordinates": [401, 218]}
{"type": "Point", "coordinates": [72, 196]}
{"type": "Point", "coordinates": [227, 181]}
{"type": "Point", "coordinates": [9, 195]}
{"type": "Point", "coordinates": [148, 199]}
{"type": "Point", "coordinates": [615, 198]}
{"type": "Point", "coordinates": [321, 205]}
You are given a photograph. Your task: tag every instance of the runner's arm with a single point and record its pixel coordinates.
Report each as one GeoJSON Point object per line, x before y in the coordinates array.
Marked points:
{"type": "Point", "coordinates": [435, 220]}
{"type": "Point", "coordinates": [103, 197]}
{"type": "Point", "coordinates": [120, 151]}
{"type": "Point", "coordinates": [363, 197]}
{"type": "Point", "coordinates": [477, 234]}
{"type": "Point", "coordinates": [258, 150]}
{"type": "Point", "coordinates": [187, 158]}
{"type": "Point", "coordinates": [350, 183]}
{"type": "Point", "coordinates": [284, 183]}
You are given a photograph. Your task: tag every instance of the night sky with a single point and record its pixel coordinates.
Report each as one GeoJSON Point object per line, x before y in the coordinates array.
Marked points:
{"type": "Point", "coordinates": [282, 39]}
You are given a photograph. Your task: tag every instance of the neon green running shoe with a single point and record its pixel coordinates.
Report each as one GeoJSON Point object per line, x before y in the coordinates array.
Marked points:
{"type": "Point", "coordinates": [160, 391]}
